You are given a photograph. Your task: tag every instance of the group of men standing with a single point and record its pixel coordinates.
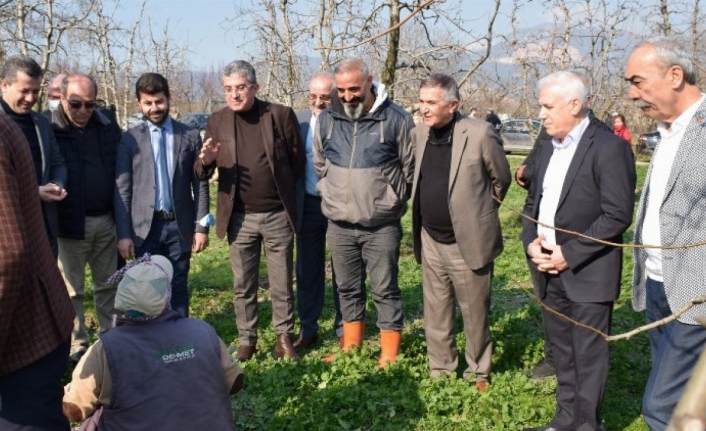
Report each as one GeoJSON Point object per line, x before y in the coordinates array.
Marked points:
{"type": "Point", "coordinates": [342, 174]}
{"type": "Point", "coordinates": [352, 157]}
{"type": "Point", "coordinates": [583, 180]}
{"type": "Point", "coordinates": [76, 153]}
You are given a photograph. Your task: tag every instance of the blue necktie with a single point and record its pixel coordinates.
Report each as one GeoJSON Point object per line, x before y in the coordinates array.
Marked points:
{"type": "Point", "coordinates": [165, 192]}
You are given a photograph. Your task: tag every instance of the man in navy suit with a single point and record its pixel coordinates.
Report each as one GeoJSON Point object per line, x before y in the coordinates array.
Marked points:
{"type": "Point", "coordinates": [159, 199]}
{"type": "Point", "coordinates": [584, 181]}
{"type": "Point", "coordinates": [312, 225]}
{"type": "Point", "coordinates": [21, 80]}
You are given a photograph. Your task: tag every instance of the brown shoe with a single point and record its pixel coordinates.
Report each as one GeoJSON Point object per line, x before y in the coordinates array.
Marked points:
{"type": "Point", "coordinates": [304, 342]}
{"type": "Point", "coordinates": [245, 352]}
{"type": "Point", "coordinates": [284, 348]}
{"type": "Point", "coordinates": [481, 386]}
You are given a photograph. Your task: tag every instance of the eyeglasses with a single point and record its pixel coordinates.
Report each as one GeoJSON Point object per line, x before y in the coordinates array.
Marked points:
{"type": "Point", "coordinates": [77, 104]}
{"type": "Point", "coordinates": [237, 89]}
{"type": "Point", "coordinates": [323, 98]}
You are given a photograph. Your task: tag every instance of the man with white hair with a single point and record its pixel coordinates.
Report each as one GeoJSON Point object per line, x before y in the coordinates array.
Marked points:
{"type": "Point", "coordinates": [156, 369]}
{"type": "Point", "coordinates": [584, 182]}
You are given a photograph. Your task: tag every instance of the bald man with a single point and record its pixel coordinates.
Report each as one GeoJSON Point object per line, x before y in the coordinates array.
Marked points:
{"type": "Point", "coordinates": [88, 140]}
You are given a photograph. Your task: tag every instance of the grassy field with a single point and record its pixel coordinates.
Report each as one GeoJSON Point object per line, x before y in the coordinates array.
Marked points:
{"type": "Point", "coordinates": [352, 394]}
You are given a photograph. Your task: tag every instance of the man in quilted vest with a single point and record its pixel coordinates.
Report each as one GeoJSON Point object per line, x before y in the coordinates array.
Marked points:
{"type": "Point", "coordinates": [156, 369]}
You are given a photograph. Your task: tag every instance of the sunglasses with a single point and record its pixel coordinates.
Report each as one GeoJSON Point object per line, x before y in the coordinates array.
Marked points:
{"type": "Point", "coordinates": [76, 104]}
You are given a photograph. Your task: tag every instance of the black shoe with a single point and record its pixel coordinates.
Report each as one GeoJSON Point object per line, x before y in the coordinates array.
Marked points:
{"type": "Point", "coordinates": [76, 356]}
{"type": "Point", "coordinates": [304, 342]}
{"type": "Point", "coordinates": [543, 370]}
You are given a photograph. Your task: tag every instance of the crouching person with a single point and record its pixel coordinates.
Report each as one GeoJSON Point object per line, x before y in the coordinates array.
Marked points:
{"type": "Point", "coordinates": [156, 370]}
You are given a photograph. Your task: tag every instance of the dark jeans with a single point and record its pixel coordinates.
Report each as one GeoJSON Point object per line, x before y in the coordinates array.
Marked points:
{"type": "Point", "coordinates": [354, 248]}
{"type": "Point", "coordinates": [164, 239]}
{"type": "Point", "coordinates": [30, 398]}
{"type": "Point", "coordinates": [674, 348]}
{"type": "Point", "coordinates": [311, 270]}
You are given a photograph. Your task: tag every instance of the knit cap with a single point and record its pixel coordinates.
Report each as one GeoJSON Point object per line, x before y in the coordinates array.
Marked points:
{"type": "Point", "coordinates": [145, 289]}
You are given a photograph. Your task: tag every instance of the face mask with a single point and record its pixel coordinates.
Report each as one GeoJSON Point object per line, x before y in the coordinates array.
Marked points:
{"type": "Point", "coordinates": [53, 104]}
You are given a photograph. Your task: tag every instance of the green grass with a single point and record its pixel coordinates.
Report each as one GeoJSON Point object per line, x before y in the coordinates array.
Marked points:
{"type": "Point", "coordinates": [353, 394]}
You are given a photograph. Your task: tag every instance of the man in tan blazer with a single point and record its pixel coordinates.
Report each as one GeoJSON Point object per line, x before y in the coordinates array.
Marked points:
{"type": "Point", "coordinates": [461, 167]}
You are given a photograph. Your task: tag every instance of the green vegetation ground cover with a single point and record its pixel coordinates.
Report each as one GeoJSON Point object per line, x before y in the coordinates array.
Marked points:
{"type": "Point", "coordinates": [352, 394]}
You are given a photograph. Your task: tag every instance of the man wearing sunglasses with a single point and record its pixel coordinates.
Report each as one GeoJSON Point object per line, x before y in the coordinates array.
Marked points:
{"type": "Point", "coordinates": [21, 81]}
{"type": "Point", "coordinates": [88, 141]}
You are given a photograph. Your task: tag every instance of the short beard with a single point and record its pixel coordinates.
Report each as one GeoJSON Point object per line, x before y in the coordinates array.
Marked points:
{"type": "Point", "coordinates": [354, 112]}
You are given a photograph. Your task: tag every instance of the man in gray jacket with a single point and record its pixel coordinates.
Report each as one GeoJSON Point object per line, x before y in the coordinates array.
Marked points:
{"type": "Point", "coordinates": [364, 157]}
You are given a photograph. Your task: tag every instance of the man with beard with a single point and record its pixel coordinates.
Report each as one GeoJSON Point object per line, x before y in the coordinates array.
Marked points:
{"type": "Point", "coordinates": [159, 199]}
{"type": "Point", "coordinates": [364, 157]}
{"type": "Point", "coordinates": [88, 141]}
{"type": "Point", "coordinates": [258, 151]}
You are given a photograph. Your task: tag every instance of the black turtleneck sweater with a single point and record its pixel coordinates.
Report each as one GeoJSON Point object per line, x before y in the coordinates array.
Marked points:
{"type": "Point", "coordinates": [434, 185]}
{"type": "Point", "coordinates": [29, 130]}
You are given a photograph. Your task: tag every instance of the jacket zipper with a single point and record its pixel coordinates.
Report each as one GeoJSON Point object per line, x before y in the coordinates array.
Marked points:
{"type": "Point", "coordinates": [350, 169]}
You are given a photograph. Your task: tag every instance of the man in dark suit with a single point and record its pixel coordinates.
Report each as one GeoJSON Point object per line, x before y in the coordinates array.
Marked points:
{"type": "Point", "coordinates": [523, 178]}
{"type": "Point", "coordinates": [312, 224]}
{"type": "Point", "coordinates": [584, 181]}
{"type": "Point", "coordinates": [21, 81]}
{"type": "Point", "coordinates": [258, 151]}
{"type": "Point", "coordinates": [159, 200]}
{"type": "Point", "coordinates": [460, 168]}
{"type": "Point", "coordinates": [36, 315]}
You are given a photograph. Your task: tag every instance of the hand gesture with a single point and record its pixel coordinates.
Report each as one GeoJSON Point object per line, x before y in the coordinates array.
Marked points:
{"type": "Point", "coordinates": [209, 152]}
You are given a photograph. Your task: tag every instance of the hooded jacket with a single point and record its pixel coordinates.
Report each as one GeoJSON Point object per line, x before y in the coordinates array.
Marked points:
{"type": "Point", "coordinates": [366, 166]}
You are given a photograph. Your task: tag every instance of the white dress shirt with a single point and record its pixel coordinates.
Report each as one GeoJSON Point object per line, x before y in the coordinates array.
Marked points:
{"type": "Point", "coordinates": [662, 161]}
{"type": "Point", "coordinates": [554, 179]}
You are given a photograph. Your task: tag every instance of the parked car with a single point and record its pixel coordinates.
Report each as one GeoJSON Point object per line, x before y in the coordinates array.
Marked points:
{"type": "Point", "coordinates": [647, 142]}
{"type": "Point", "coordinates": [519, 134]}
{"type": "Point", "coordinates": [197, 121]}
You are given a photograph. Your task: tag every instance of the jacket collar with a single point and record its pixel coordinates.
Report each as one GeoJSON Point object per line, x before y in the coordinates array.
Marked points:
{"type": "Point", "coordinates": [61, 121]}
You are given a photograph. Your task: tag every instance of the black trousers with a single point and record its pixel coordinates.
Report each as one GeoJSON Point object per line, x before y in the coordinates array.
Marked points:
{"type": "Point", "coordinates": [581, 358]}
{"type": "Point", "coordinates": [30, 398]}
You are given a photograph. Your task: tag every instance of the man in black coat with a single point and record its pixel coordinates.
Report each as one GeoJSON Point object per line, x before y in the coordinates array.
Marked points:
{"type": "Point", "coordinates": [584, 181]}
